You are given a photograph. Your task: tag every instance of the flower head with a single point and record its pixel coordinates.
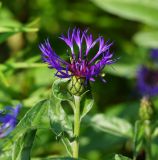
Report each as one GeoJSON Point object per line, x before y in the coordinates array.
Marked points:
{"type": "Point", "coordinates": [154, 54]}
{"type": "Point", "coordinates": [8, 120]}
{"type": "Point", "coordinates": [147, 81]}
{"type": "Point", "coordinates": [80, 64]}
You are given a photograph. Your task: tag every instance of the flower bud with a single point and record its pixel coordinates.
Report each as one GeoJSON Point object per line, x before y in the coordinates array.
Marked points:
{"type": "Point", "coordinates": [77, 86]}
{"type": "Point", "coordinates": [146, 109]}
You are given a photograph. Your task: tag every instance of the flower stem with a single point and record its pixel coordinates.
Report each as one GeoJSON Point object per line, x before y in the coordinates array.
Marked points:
{"type": "Point", "coordinates": [148, 140]}
{"type": "Point", "coordinates": [76, 126]}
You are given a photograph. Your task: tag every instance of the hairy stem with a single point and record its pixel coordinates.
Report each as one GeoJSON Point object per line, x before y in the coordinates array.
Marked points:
{"type": "Point", "coordinates": [76, 127]}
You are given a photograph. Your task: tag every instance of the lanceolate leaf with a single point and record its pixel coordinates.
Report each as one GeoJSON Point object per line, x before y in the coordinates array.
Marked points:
{"type": "Point", "coordinates": [122, 70]}
{"type": "Point", "coordinates": [120, 157]}
{"type": "Point", "coordinates": [148, 39]}
{"type": "Point", "coordinates": [139, 132]}
{"type": "Point", "coordinates": [144, 11]}
{"type": "Point", "coordinates": [112, 125]}
{"type": "Point", "coordinates": [67, 144]}
{"type": "Point", "coordinates": [23, 145]}
{"type": "Point", "coordinates": [61, 124]}
{"type": "Point", "coordinates": [35, 118]}
{"type": "Point", "coordinates": [86, 103]}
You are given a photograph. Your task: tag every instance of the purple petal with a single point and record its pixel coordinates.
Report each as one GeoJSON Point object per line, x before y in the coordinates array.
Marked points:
{"type": "Point", "coordinates": [8, 121]}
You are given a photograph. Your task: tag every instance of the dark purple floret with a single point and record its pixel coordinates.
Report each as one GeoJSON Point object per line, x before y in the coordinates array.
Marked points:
{"type": "Point", "coordinates": [8, 120]}
{"type": "Point", "coordinates": [147, 81]}
{"type": "Point", "coordinates": [80, 64]}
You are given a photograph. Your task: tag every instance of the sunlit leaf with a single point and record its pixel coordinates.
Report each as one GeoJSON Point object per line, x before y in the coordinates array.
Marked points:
{"type": "Point", "coordinates": [122, 70]}
{"type": "Point", "coordinates": [5, 155]}
{"type": "Point", "coordinates": [120, 157]}
{"type": "Point", "coordinates": [144, 11]}
{"type": "Point", "coordinates": [9, 25]}
{"type": "Point", "coordinates": [112, 125]}
{"type": "Point", "coordinates": [147, 39]}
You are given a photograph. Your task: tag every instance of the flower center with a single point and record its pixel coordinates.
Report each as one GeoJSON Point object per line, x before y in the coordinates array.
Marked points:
{"type": "Point", "coordinates": [79, 68]}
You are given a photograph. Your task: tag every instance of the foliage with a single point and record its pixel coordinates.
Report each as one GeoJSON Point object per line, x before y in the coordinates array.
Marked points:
{"type": "Point", "coordinates": [110, 121]}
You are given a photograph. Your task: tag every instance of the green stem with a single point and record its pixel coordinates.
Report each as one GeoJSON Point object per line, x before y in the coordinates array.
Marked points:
{"type": "Point", "coordinates": [148, 140]}
{"type": "Point", "coordinates": [76, 126]}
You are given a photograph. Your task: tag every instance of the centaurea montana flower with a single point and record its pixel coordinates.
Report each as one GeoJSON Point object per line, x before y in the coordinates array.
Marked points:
{"type": "Point", "coordinates": [8, 120]}
{"type": "Point", "coordinates": [147, 81]}
{"type": "Point", "coordinates": [154, 54]}
{"type": "Point", "coordinates": [80, 64]}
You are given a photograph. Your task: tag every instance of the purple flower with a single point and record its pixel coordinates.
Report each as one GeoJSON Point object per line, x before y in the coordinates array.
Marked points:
{"type": "Point", "coordinates": [147, 81]}
{"type": "Point", "coordinates": [8, 120]}
{"type": "Point", "coordinates": [81, 64]}
{"type": "Point", "coordinates": [154, 54]}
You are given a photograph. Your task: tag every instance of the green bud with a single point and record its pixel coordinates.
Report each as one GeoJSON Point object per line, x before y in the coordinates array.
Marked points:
{"type": "Point", "coordinates": [77, 86]}
{"type": "Point", "coordinates": [146, 109]}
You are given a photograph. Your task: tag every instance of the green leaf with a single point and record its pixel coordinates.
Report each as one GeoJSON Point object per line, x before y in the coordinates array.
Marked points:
{"type": "Point", "coordinates": [120, 157]}
{"type": "Point", "coordinates": [147, 39]}
{"type": "Point", "coordinates": [13, 26]}
{"type": "Point", "coordinates": [10, 26]}
{"type": "Point", "coordinates": [144, 11]}
{"type": "Point", "coordinates": [23, 145]}
{"type": "Point", "coordinates": [55, 158]}
{"type": "Point", "coordinates": [33, 119]}
{"type": "Point", "coordinates": [67, 144]}
{"type": "Point", "coordinates": [61, 124]}
{"type": "Point", "coordinates": [111, 125]}
{"type": "Point", "coordinates": [3, 79]}
{"type": "Point", "coordinates": [138, 137]}
{"type": "Point", "coordinates": [122, 70]}
{"type": "Point", "coordinates": [4, 36]}
{"type": "Point", "coordinates": [60, 91]}
{"type": "Point", "coordinates": [86, 103]}
{"type": "Point", "coordinates": [5, 155]}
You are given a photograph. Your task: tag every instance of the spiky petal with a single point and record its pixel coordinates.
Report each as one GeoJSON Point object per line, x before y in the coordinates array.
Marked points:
{"type": "Point", "coordinates": [8, 120]}
{"type": "Point", "coordinates": [80, 65]}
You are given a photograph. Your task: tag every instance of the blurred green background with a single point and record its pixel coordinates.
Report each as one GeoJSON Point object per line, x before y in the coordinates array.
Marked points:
{"type": "Point", "coordinates": [131, 24]}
